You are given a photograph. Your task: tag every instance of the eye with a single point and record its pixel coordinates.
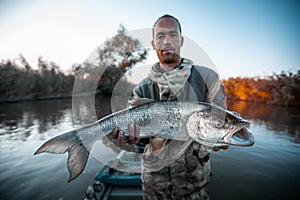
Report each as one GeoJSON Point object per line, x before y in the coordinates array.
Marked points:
{"type": "Point", "coordinates": [159, 36]}
{"type": "Point", "coordinates": [219, 123]}
{"type": "Point", "coordinates": [174, 34]}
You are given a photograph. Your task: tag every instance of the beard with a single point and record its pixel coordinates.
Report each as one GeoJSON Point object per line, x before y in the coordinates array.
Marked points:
{"type": "Point", "coordinates": [168, 57]}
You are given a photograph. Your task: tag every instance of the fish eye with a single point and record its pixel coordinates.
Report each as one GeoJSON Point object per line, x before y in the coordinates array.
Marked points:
{"type": "Point", "coordinates": [219, 123]}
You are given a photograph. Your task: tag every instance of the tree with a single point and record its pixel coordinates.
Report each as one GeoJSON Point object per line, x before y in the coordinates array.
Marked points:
{"type": "Point", "coordinates": [121, 51]}
{"type": "Point", "coordinates": [115, 57]}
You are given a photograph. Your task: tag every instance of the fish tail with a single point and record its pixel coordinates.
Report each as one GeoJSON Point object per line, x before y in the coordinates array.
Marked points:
{"type": "Point", "coordinates": [68, 142]}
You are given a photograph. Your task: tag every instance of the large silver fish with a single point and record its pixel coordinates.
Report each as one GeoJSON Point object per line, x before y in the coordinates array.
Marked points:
{"type": "Point", "coordinates": [203, 122]}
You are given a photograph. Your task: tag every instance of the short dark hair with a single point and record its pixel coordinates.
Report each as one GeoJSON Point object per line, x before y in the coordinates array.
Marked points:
{"type": "Point", "coordinates": [166, 16]}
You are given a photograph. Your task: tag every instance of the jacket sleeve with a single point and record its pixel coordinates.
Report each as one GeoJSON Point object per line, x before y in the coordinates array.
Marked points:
{"type": "Point", "coordinates": [215, 89]}
{"type": "Point", "coordinates": [147, 89]}
{"type": "Point", "coordinates": [216, 93]}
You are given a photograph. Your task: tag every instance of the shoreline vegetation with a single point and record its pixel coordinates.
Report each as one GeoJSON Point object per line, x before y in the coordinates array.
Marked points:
{"type": "Point", "coordinates": [19, 82]}
{"type": "Point", "coordinates": [278, 89]}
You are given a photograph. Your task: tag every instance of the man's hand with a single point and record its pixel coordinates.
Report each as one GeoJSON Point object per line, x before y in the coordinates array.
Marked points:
{"type": "Point", "coordinates": [132, 138]}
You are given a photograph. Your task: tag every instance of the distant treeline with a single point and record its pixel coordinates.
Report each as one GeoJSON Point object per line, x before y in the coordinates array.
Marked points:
{"type": "Point", "coordinates": [279, 89]}
{"type": "Point", "coordinates": [21, 82]}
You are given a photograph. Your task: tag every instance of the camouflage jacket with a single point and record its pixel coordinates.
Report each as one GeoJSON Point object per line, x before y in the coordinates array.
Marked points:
{"type": "Point", "coordinates": [181, 169]}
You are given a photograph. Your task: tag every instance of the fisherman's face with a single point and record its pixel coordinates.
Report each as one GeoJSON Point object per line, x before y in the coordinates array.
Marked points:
{"type": "Point", "coordinates": [167, 41]}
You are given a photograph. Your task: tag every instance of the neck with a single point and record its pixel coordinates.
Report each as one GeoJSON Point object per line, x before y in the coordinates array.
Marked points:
{"type": "Point", "coordinates": [169, 66]}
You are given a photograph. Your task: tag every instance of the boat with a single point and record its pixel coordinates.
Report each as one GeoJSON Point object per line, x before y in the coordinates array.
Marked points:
{"type": "Point", "coordinates": [118, 179]}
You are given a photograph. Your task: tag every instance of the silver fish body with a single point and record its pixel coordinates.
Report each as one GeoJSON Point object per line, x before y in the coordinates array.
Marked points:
{"type": "Point", "coordinates": [203, 122]}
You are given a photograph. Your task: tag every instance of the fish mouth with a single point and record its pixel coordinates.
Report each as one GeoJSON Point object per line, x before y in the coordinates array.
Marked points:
{"type": "Point", "coordinates": [240, 136]}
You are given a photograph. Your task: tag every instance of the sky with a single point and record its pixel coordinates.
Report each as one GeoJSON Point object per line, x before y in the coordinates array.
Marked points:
{"type": "Point", "coordinates": [240, 37]}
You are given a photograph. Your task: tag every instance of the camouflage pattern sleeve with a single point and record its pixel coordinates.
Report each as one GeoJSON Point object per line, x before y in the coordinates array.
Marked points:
{"type": "Point", "coordinates": [216, 93]}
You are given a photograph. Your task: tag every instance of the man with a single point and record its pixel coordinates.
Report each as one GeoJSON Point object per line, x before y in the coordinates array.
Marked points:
{"type": "Point", "coordinates": [174, 78]}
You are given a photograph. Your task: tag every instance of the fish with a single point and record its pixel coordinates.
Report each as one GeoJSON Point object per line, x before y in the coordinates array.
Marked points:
{"type": "Point", "coordinates": [204, 122]}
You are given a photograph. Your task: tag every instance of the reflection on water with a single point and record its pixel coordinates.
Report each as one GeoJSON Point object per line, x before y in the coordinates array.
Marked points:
{"type": "Point", "coordinates": [18, 121]}
{"type": "Point", "coordinates": [281, 119]}
{"type": "Point", "coordinates": [267, 170]}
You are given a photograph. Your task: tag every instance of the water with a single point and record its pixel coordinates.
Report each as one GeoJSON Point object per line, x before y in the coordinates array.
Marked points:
{"type": "Point", "coordinates": [268, 170]}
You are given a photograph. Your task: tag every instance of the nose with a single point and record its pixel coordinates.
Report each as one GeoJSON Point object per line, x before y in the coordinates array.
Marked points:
{"type": "Point", "coordinates": [167, 39]}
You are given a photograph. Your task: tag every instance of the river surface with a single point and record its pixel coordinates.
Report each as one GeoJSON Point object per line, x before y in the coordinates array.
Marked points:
{"type": "Point", "coordinates": [270, 169]}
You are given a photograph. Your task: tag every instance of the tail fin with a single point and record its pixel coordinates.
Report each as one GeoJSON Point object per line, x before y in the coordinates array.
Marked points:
{"type": "Point", "coordinates": [78, 153]}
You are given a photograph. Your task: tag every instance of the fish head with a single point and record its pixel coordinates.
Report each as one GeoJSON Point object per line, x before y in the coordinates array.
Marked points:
{"type": "Point", "coordinates": [215, 126]}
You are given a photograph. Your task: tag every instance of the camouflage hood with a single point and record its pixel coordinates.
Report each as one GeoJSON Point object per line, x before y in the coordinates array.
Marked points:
{"type": "Point", "coordinates": [171, 83]}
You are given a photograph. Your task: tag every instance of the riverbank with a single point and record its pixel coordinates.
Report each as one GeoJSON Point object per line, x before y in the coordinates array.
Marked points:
{"type": "Point", "coordinates": [49, 82]}
{"type": "Point", "coordinates": [33, 98]}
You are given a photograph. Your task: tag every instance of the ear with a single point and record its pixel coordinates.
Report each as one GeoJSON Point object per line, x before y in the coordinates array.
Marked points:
{"type": "Point", "coordinates": [182, 40]}
{"type": "Point", "coordinates": [153, 45]}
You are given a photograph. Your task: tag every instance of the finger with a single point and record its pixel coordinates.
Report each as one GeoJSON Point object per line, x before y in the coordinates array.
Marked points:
{"type": "Point", "coordinates": [215, 148]}
{"type": "Point", "coordinates": [121, 138]}
{"type": "Point", "coordinates": [137, 131]}
{"type": "Point", "coordinates": [136, 136]}
{"type": "Point", "coordinates": [225, 147]}
{"type": "Point", "coordinates": [115, 133]}
{"type": "Point", "coordinates": [131, 133]}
